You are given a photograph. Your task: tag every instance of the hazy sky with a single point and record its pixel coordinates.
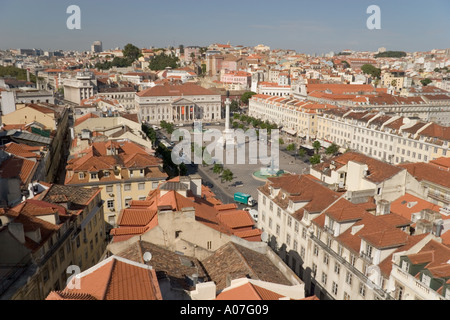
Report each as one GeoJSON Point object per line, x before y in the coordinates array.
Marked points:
{"type": "Point", "coordinates": [318, 26]}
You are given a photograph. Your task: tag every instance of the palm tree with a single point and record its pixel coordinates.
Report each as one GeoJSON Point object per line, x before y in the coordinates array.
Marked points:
{"type": "Point", "coordinates": [218, 169]}
{"type": "Point", "coordinates": [227, 175]}
{"type": "Point", "coordinates": [316, 145]}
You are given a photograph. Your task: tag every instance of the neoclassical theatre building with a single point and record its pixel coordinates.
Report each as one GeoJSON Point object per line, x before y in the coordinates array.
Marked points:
{"type": "Point", "coordinates": [178, 103]}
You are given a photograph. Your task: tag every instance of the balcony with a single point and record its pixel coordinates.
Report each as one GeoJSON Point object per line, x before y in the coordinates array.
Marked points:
{"type": "Point", "coordinates": [366, 257]}
{"type": "Point", "coordinates": [439, 197]}
{"type": "Point", "coordinates": [329, 230]}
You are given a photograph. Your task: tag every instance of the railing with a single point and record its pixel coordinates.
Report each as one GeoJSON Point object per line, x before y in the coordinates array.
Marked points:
{"type": "Point", "coordinates": [366, 257]}
{"type": "Point", "coordinates": [379, 291]}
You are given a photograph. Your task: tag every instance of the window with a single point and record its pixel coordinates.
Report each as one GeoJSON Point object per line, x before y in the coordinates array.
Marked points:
{"type": "Point", "coordinates": [128, 202]}
{"type": "Point", "coordinates": [334, 288]}
{"type": "Point", "coordinates": [362, 289]}
{"type": "Point", "coordinates": [94, 175]}
{"type": "Point", "coordinates": [348, 278]}
{"type": "Point", "coordinates": [337, 268]}
{"type": "Point", "coordinates": [399, 292]}
{"type": "Point", "coordinates": [324, 278]}
{"type": "Point", "coordinates": [302, 254]}
{"type": "Point", "coordinates": [81, 175]}
{"type": "Point", "coordinates": [296, 226]}
{"type": "Point", "coordinates": [110, 204]}
{"type": "Point", "coordinates": [141, 186]}
{"type": "Point", "coordinates": [270, 222]}
{"type": "Point", "coordinates": [405, 266]}
{"type": "Point", "coordinates": [369, 250]}
{"type": "Point", "coordinates": [426, 280]}
{"type": "Point", "coordinates": [127, 187]}
{"type": "Point", "coordinates": [326, 258]}
{"type": "Point", "coordinates": [340, 250]}
{"type": "Point", "coordinates": [109, 189]}
{"type": "Point", "coordinates": [271, 206]}
{"type": "Point", "coordinates": [289, 221]}
{"type": "Point", "coordinates": [209, 245]}
{"type": "Point", "coordinates": [316, 250]}
{"type": "Point", "coordinates": [277, 230]}
{"type": "Point", "coordinates": [346, 296]}
{"type": "Point", "coordinates": [304, 233]}
{"type": "Point", "coordinates": [288, 239]}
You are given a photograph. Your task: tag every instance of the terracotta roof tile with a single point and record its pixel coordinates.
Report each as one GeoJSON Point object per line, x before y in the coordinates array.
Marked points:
{"type": "Point", "coordinates": [117, 279]}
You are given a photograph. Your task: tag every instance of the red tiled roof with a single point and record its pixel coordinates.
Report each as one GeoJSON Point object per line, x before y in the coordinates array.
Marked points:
{"type": "Point", "coordinates": [428, 172]}
{"type": "Point", "coordinates": [187, 89]}
{"type": "Point", "coordinates": [116, 279]}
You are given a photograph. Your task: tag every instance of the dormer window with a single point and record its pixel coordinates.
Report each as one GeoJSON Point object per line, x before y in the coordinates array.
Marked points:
{"type": "Point", "coordinates": [94, 175]}
{"type": "Point", "coordinates": [426, 280]}
{"type": "Point", "coordinates": [405, 266]}
{"type": "Point", "coordinates": [81, 175]}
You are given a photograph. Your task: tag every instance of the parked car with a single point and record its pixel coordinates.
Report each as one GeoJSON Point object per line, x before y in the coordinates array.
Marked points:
{"type": "Point", "coordinates": [237, 184]}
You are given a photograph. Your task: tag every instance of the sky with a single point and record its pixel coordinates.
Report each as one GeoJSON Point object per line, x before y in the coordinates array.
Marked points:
{"type": "Point", "coordinates": [312, 27]}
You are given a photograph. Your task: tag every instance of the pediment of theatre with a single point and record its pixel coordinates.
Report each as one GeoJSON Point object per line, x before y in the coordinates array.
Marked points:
{"type": "Point", "coordinates": [182, 102]}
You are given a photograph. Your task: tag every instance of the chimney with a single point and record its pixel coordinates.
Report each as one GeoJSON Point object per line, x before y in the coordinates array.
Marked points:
{"type": "Point", "coordinates": [438, 227]}
{"type": "Point", "coordinates": [383, 207]}
{"type": "Point", "coordinates": [16, 229]}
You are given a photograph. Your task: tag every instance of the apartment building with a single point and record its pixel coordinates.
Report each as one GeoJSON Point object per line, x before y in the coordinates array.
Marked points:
{"type": "Point", "coordinates": [396, 79]}
{"type": "Point", "coordinates": [123, 170]}
{"type": "Point", "coordinates": [187, 212]}
{"type": "Point", "coordinates": [83, 86]}
{"type": "Point", "coordinates": [393, 139]}
{"type": "Point", "coordinates": [119, 127]}
{"type": "Point", "coordinates": [55, 228]}
{"type": "Point", "coordinates": [422, 272]}
{"type": "Point", "coordinates": [178, 103]}
{"type": "Point", "coordinates": [296, 116]}
{"type": "Point", "coordinates": [340, 243]}
{"type": "Point", "coordinates": [40, 125]}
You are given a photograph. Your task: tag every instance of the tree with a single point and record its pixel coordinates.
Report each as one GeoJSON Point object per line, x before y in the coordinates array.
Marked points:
{"type": "Point", "coordinates": [315, 159]}
{"type": "Point", "coordinates": [19, 74]}
{"type": "Point", "coordinates": [234, 106]}
{"type": "Point", "coordinates": [369, 69]}
{"type": "Point", "coordinates": [218, 168]}
{"type": "Point", "coordinates": [290, 147]}
{"type": "Point", "coordinates": [131, 52]}
{"type": "Point", "coordinates": [246, 96]}
{"type": "Point", "coordinates": [302, 153]}
{"type": "Point", "coordinates": [426, 81]}
{"type": "Point", "coordinates": [391, 54]}
{"type": "Point", "coordinates": [333, 149]}
{"type": "Point", "coordinates": [181, 47]}
{"type": "Point", "coordinates": [183, 169]}
{"type": "Point", "coordinates": [203, 68]}
{"type": "Point", "coordinates": [316, 145]}
{"type": "Point", "coordinates": [281, 141]}
{"type": "Point", "coordinates": [227, 175]}
{"type": "Point", "coordinates": [162, 61]}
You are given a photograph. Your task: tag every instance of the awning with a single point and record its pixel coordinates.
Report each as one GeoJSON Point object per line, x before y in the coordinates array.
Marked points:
{"type": "Point", "coordinates": [289, 131]}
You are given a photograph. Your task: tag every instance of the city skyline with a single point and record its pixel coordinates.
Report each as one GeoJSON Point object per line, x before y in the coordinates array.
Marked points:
{"type": "Point", "coordinates": [296, 25]}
